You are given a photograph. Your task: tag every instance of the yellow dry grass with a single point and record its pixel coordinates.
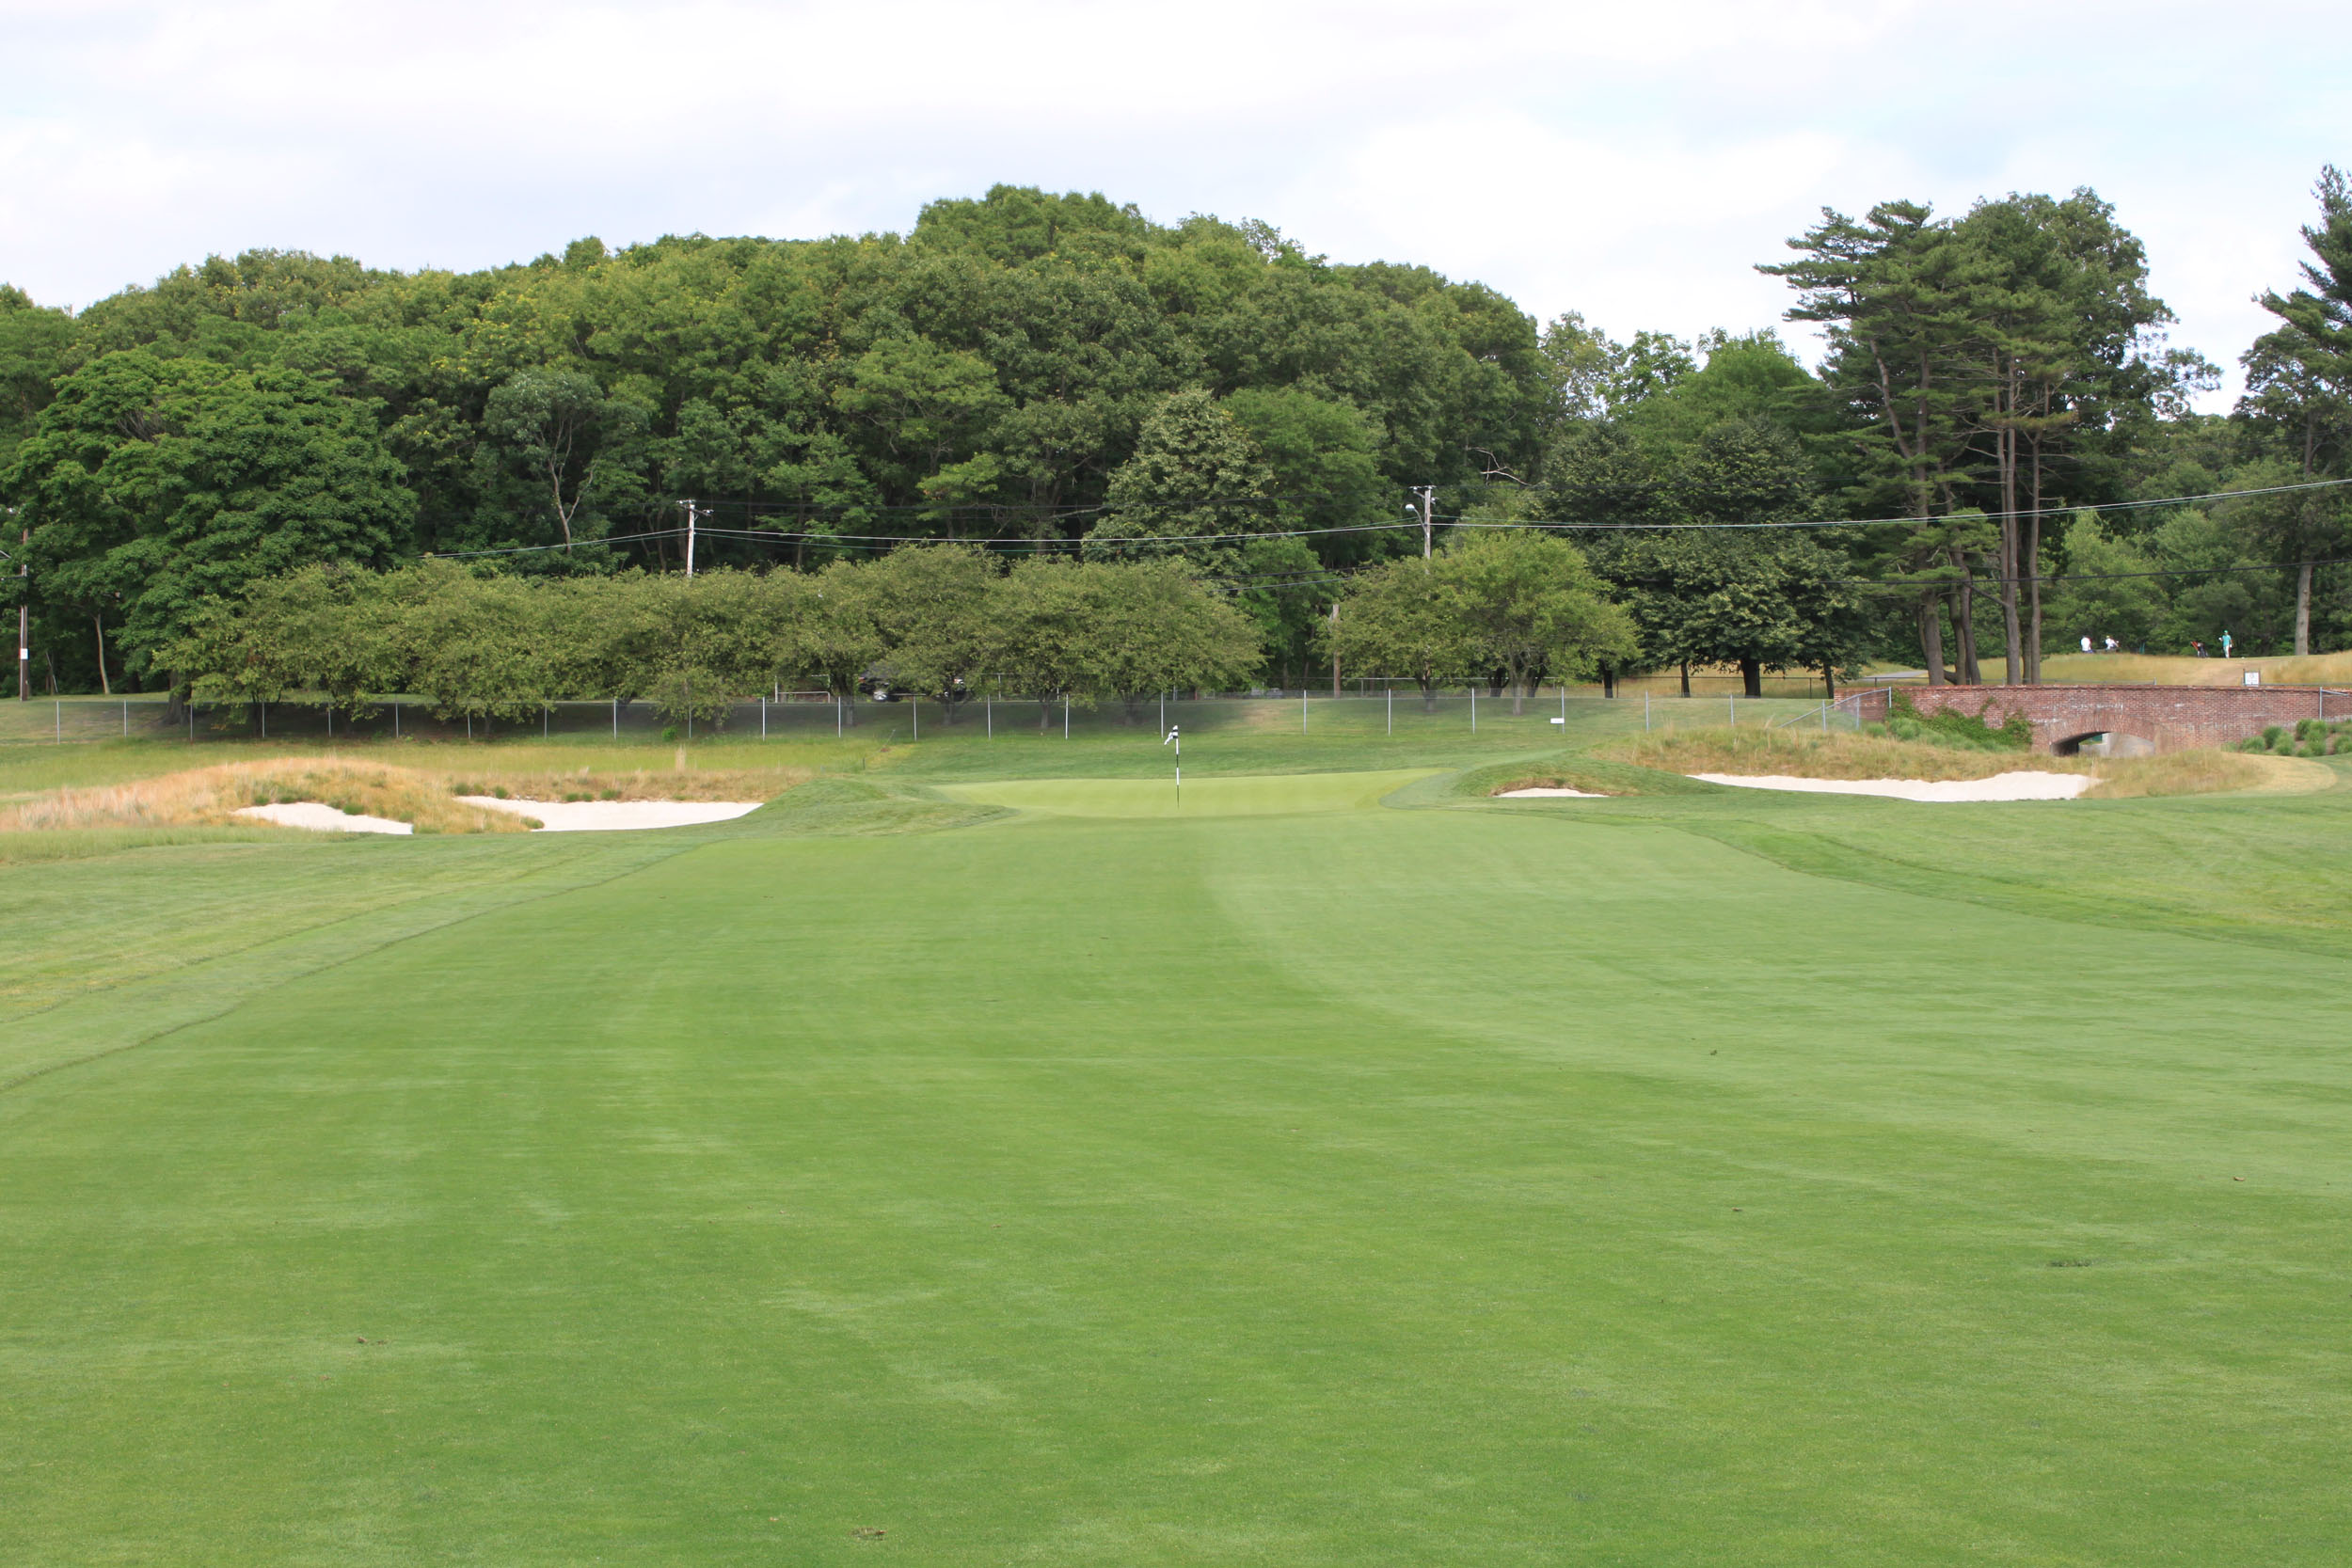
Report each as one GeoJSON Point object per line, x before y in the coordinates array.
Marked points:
{"type": "Point", "coordinates": [1810, 754]}
{"type": "Point", "coordinates": [2106, 669]}
{"type": "Point", "coordinates": [209, 797]}
{"type": "Point", "coordinates": [2208, 773]}
{"type": "Point", "coordinates": [640, 784]}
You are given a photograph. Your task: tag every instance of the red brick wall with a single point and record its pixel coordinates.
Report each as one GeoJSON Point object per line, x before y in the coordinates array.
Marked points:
{"type": "Point", "coordinates": [2172, 717]}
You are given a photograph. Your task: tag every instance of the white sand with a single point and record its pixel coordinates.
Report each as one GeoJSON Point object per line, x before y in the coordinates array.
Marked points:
{"type": "Point", "coordinates": [1541, 792]}
{"type": "Point", "coordinates": [601, 816]}
{"type": "Point", "coordinates": [326, 818]}
{"type": "Point", "coordinates": [2001, 787]}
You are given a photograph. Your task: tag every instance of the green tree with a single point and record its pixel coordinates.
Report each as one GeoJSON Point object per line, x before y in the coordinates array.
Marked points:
{"type": "Point", "coordinates": [161, 484]}
{"type": "Point", "coordinates": [835, 637]}
{"type": "Point", "coordinates": [2298, 381]}
{"type": "Point", "coordinates": [1527, 603]}
{"type": "Point", "coordinates": [1049, 648]}
{"type": "Point", "coordinates": [1152, 628]}
{"type": "Point", "coordinates": [574, 444]}
{"type": "Point", "coordinates": [934, 609]}
{"type": "Point", "coordinates": [1400, 618]}
{"type": "Point", "coordinates": [1195, 478]}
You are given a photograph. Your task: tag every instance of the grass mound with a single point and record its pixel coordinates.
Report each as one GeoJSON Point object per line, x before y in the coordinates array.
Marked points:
{"type": "Point", "coordinates": [1811, 754]}
{"type": "Point", "coordinates": [2207, 773]}
{"type": "Point", "coordinates": [210, 796]}
{"type": "Point", "coordinates": [1593, 775]}
{"type": "Point", "coordinates": [640, 784]}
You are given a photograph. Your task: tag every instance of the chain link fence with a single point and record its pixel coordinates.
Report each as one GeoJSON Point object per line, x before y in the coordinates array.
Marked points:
{"type": "Point", "coordinates": [1367, 709]}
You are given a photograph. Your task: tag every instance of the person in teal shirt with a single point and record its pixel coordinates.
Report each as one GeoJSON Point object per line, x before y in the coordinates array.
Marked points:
{"type": "Point", "coordinates": [2225, 644]}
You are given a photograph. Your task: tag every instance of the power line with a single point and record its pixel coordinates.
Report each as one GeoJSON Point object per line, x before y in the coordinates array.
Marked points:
{"type": "Point", "coordinates": [1155, 540]}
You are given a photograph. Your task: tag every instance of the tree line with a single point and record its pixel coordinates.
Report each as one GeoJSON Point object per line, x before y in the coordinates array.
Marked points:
{"type": "Point", "coordinates": [1028, 371]}
{"type": "Point", "coordinates": [947, 622]}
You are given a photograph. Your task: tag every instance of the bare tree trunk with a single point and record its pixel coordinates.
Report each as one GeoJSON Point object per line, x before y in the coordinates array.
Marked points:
{"type": "Point", "coordinates": [1964, 623]}
{"type": "Point", "coordinates": [2033, 572]}
{"type": "Point", "coordinates": [2303, 609]}
{"type": "Point", "coordinates": [1752, 678]}
{"type": "Point", "coordinates": [1932, 638]}
{"type": "Point", "coordinates": [99, 621]}
{"type": "Point", "coordinates": [2012, 649]}
{"type": "Point", "coordinates": [1686, 677]}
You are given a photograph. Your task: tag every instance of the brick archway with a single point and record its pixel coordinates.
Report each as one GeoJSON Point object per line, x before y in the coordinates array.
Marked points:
{"type": "Point", "coordinates": [2165, 718]}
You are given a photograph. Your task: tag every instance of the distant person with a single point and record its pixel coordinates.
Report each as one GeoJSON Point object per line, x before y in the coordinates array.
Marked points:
{"type": "Point", "coordinates": [2196, 648]}
{"type": "Point", "coordinates": [2225, 644]}
{"type": "Point", "coordinates": [2113, 646]}
{"type": "Point", "coordinates": [2086, 644]}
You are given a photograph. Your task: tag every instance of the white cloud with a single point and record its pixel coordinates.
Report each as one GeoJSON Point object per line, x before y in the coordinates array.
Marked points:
{"type": "Point", "coordinates": [1632, 161]}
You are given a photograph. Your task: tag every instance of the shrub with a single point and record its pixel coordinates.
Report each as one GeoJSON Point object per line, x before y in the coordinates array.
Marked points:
{"type": "Point", "coordinates": [669, 735]}
{"type": "Point", "coordinates": [2271, 733]}
{"type": "Point", "coordinates": [1949, 728]}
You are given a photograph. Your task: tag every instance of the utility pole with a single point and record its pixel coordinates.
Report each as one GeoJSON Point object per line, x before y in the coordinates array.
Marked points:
{"type": "Point", "coordinates": [1428, 494]}
{"type": "Point", "coordinates": [690, 538]}
{"type": "Point", "coordinates": [1335, 647]}
{"type": "Point", "coordinates": [23, 618]}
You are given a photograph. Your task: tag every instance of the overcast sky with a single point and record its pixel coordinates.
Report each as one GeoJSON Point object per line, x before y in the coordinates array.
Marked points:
{"type": "Point", "coordinates": [1628, 160]}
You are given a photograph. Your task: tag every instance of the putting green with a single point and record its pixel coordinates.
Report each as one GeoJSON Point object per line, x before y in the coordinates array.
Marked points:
{"type": "Point", "coordinates": [1281, 795]}
{"type": "Point", "coordinates": [1297, 1185]}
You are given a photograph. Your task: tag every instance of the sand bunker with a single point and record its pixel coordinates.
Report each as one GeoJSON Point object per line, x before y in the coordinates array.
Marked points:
{"type": "Point", "coordinates": [1541, 791]}
{"type": "Point", "coordinates": [2001, 787]}
{"type": "Point", "coordinates": [325, 818]}
{"type": "Point", "coordinates": [603, 816]}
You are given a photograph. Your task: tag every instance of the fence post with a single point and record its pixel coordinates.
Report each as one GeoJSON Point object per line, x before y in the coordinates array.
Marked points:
{"type": "Point", "coordinates": [1646, 709]}
{"type": "Point", "coordinates": [1734, 700]}
{"type": "Point", "coordinates": [126, 715]}
{"type": "Point", "coordinates": [1392, 710]}
{"type": "Point", "coordinates": [1065, 715]}
{"type": "Point", "coordinates": [395, 721]}
{"type": "Point", "coordinates": [265, 721]}
{"type": "Point", "coordinates": [987, 711]}
{"type": "Point", "coordinates": [914, 712]}
{"type": "Point", "coordinates": [56, 720]}
{"type": "Point", "coordinates": [1473, 691]}
{"type": "Point", "coordinates": [545, 709]}
{"type": "Point", "coordinates": [1302, 710]}
{"type": "Point", "coordinates": [616, 718]}
{"type": "Point", "coordinates": [763, 716]}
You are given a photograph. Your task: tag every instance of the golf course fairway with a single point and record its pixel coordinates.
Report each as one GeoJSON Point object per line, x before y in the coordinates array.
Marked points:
{"type": "Point", "coordinates": [1048, 1174]}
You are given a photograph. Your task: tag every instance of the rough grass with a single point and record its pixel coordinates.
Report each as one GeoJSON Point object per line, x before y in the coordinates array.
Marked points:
{"type": "Point", "coordinates": [1811, 754]}
{"type": "Point", "coordinates": [2207, 773]}
{"type": "Point", "coordinates": [426, 798]}
{"type": "Point", "coordinates": [593, 783]}
{"type": "Point", "coordinates": [210, 796]}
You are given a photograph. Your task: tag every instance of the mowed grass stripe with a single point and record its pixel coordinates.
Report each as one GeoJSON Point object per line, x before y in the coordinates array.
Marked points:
{"type": "Point", "coordinates": [1345, 1187]}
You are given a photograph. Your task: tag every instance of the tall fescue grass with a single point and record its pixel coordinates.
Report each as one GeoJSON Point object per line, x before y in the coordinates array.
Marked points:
{"type": "Point", "coordinates": [636, 784]}
{"type": "Point", "coordinates": [1811, 754]}
{"type": "Point", "coordinates": [2158, 670]}
{"type": "Point", "coordinates": [2206, 774]}
{"type": "Point", "coordinates": [210, 796]}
